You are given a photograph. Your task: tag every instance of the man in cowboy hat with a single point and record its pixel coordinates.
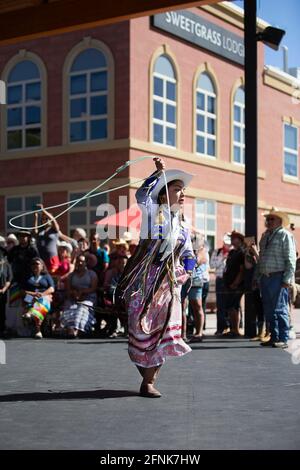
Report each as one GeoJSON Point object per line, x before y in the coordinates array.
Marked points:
{"type": "Point", "coordinates": [275, 272]}
{"type": "Point", "coordinates": [233, 279]}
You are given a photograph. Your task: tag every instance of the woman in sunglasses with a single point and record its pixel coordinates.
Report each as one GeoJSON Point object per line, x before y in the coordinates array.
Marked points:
{"type": "Point", "coordinates": [39, 288]}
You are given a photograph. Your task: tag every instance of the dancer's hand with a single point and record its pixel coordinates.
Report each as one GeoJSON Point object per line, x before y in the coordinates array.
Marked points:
{"type": "Point", "coordinates": [159, 163]}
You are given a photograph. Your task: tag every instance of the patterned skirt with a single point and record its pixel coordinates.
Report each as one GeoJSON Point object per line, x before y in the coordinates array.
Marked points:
{"type": "Point", "coordinates": [39, 309]}
{"type": "Point", "coordinates": [144, 348]}
{"type": "Point", "coordinates": [79, 316]}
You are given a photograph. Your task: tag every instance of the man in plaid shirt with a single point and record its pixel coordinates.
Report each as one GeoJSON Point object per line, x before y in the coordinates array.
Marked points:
{"type": "Point", "coordinates": [275, 273]}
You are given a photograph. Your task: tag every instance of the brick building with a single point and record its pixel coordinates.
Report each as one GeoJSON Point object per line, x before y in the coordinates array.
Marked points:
{"type": "Point", "coordinates": [80, 104]}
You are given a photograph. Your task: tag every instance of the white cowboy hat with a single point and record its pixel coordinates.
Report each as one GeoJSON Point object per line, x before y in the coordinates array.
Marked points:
{"type": "Point", "coordinates": [127, 236]}
{"type": "Point", "coordinates": [171, 175]}
{"type": "Point", "coordinates": [227, 238]}
{"type": "Point", "coordinates": [282, 215]}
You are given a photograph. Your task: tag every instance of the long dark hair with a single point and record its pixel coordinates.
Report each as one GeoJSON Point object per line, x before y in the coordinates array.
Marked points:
{"type": "Point", "coordinates": [37, 259]}
{"type": "Point", "coordinates": [163, 190]}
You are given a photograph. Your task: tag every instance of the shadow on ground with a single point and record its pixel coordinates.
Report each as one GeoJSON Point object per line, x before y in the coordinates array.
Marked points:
{"type": "Point", "coordinates": [80, 395]}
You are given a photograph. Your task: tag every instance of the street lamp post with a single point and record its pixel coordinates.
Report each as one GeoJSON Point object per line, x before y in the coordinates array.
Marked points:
{"type": "Point", "coordinates": [250, 144]}
{"type": "Point", "coordinates": [272, 37]}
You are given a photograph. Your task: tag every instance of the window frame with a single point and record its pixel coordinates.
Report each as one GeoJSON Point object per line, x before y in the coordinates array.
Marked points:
{"type": "Point", "coordinates": [25, 55]}
{"type": "Point", "coordinates": [241, 125]}
{"type": "Point", "coordinates": [89, 227]}
{"type": "Point", "coordinates": [165, 102]}
{"type": "Point", "coordinates": [207, 115]}
{"type": "Point", "coordinates": [238, 224]}
{"type": "Point", "coordinates": [21, 222]}
{"type": "Point", "coordinates": [88, 118]}
{"type": "Point", "coordinates": [291, 151]}
{"type": "Point", "coordinates": [88, 43]}
{"type": "Point", "coordinates": [207, 217]}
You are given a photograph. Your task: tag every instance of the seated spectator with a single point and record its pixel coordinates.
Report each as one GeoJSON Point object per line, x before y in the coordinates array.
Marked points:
{"type": "Point", "coordinates": [121, 262]}
{"type": "Point", "coordinates": [78, 314]}
{"type": "Point", "coordinates": [102, 257]}
{"type": "Point", "coordinates": [39, 288]}
{"type": "Point", "coordinates": [64, 255]}
{"type": "Point", "coordinates": [113, 325]}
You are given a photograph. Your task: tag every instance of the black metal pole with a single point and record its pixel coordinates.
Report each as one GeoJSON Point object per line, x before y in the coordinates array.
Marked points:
{"type": "Point", "coordinates": [250, 143]}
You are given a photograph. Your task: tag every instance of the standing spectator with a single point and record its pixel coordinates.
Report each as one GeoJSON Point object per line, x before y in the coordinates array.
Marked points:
{"type": "Point", "coordinates": [121, 248]}
{"type": "Point", "coordinates": [47, 239]}
{"type": "Point", "coordinates": [11, 241]}
{"type": "Point", "coordinates": [5, 281]}
{"type": "Point", "coordinates": [275, 272]}
{"type": "Point", "coordinates": [251, 260]}
{"type": "Point", "coordinates": [218, 262]}
{"type": "Point", "coordinates": [204, 254]}
{"type": "Point", "coordinates": [195, 295]}
{"type": "Point", "coordinates": [3, 244]}
{"type": "Point", "coordinates": [78, 234]}
{"type": "Point", "coordinates": [39, 288]}
{"type": "Point", "coordinates": [20, 257]}
{"type": "Point", "coordinates": [234, 282]}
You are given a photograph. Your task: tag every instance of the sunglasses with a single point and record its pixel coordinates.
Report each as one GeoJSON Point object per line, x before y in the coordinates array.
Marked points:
{"type": "Point", "coordinates": [270, 219]}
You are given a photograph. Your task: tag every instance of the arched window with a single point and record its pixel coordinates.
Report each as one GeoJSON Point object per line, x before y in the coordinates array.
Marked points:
{"type": "Point", "coordinates": [88, 97]}
{"type": "Point", "coordinates": [239, 126]}
{"type": "Point", "coordinates": [24, 101]}
{"type": "Point", "coordinates": [206, 118]}
{"type": "Point", "coordinates": [164, 102]}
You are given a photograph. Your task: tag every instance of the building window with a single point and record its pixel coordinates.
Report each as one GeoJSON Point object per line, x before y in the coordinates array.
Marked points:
{"type": "Point", "coordinates": [206, 118]}
{"type": "Point", "coordinates": [164, 102]}
{"type": "Point", "coordinates": [239, 126]}
{"type": "Point", "coordinates": [88, 97]}
{"type": "Point", "coordinates": [290, 150]}
{"type": "Point", "coordinates": [84, 213]}
{"type": "Point", "coordinates": [18, 204]}
{"type": "Point", "coordinates": [23, 110]}
{"type": "Point", "coordinates": [238, 218]}
{"type": "Point", "coordinates": [206, 220]}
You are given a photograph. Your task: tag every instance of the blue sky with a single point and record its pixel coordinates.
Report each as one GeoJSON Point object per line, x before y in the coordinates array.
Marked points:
{"type": "Point", "coordinates": [284, 14]}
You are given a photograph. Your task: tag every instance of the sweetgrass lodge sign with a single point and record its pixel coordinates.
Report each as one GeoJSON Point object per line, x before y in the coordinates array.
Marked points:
{"type": "Point", "coordinates": [202, 33]}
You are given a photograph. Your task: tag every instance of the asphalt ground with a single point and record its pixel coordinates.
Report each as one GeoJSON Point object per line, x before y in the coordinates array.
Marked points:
{"type": "Point", "coordinates": [83, 394]}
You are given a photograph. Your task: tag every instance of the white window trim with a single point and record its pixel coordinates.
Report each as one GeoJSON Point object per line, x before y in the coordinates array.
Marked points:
{"type": "Point", "coordinates": [238, 221]}
{"type": "Point", "coordinates": [241, 126]}
{"type": "Point", "coordinates": [88, 43]}
{"type": "Point", "coordinates": [23, 105]}
{"type": "Point", "coordinates": [88, 208]}
{"type": "Point", "coordinates": [207, 216]}
{"type": "Point", "coordinates": [292, 151]}
{"type": "Point", "coordinates": [206, 114]}
{"type": "Point", "coordinates": [20, 57]}
{"type": "Point", "coordinates": [165, 101]}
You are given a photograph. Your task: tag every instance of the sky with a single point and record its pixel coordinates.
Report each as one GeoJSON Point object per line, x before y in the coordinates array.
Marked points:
{"type": "Point", "coordinates": [284, 14]}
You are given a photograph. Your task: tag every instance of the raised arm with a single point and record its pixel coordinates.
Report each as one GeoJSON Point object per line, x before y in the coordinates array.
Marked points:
{"type": "Point", "coordinates": [144, 192]}
{"type": "Point", "coordinates": [54, 223]}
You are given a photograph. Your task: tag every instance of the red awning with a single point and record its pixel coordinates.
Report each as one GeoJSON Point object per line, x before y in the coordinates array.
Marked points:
{"type": "Point", "coordinates": [129, 218]}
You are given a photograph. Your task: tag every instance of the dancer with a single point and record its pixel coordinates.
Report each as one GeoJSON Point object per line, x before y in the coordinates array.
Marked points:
{"type": "Point", "coordinates": [151, 282]}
